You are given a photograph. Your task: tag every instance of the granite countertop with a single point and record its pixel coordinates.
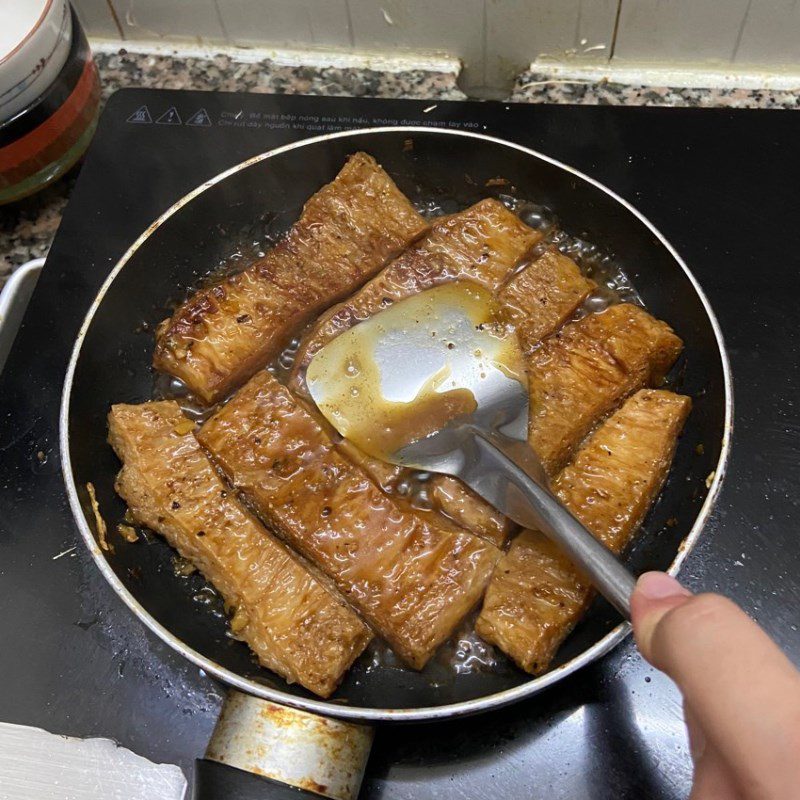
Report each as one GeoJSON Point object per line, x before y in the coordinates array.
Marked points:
{"type": "Point", "coordinates": [27, 228]}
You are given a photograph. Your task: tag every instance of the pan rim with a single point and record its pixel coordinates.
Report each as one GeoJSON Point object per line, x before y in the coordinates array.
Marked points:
{"type": "Point", "coordinates": [527, 689]}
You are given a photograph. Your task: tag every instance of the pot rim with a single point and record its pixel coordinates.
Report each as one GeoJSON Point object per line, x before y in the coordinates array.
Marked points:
{"type": "Point", "coordinates": [324, 707]}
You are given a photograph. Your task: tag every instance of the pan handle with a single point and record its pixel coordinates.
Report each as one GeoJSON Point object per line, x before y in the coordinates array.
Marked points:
{"type": "Point", "coordinates": [263, 751]}
{"type": "Point", "coordinates": [214, 781]}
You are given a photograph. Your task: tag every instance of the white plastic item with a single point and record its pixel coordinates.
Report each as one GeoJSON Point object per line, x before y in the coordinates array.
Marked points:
{"type": "Point", "coordinates": [37, 765]}
{"type": "Point", "coordinates": [35, 38]}
{"type": "Point", "coordinates": [14, 300]}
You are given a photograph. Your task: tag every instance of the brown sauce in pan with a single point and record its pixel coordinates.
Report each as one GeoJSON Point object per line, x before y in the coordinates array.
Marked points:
{"type": "Point", "coordinates": [465, 653]}
{"type": "Point", "coordinates": [614, 286]}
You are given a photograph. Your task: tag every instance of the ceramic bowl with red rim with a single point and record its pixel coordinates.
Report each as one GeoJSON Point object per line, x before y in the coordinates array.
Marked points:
{"type": "Point", "coordinates": [49, 95]}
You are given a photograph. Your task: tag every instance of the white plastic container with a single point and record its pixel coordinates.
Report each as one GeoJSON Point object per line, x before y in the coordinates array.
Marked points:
{"type": "Point", "coordinates": [35, 37]}
{"type": "Point", "coordinates": [14, 299]}
{"type": "Point", "coordinates": [49, 94]}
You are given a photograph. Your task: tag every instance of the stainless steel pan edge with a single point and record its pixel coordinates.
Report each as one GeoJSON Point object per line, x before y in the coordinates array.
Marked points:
{"type": "Point", "coordinates": [528, 689]}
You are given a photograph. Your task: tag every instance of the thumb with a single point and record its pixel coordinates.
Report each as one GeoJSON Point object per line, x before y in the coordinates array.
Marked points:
{"type": "Point", "coordinates": [742, 690]}
{"type": "Point", "coordinates": [656, 594]}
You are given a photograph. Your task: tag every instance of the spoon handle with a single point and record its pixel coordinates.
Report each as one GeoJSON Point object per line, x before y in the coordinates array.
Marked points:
{"type": "Point", "coordinates": [507, 474]}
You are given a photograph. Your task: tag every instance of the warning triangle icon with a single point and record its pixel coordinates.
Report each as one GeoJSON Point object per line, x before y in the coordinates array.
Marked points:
{"type": "Point", "coordinates": [200, 118]}
{"type": "Point", "coordinates": [140, 117]}
{"type": "Point", "coordinates": [169, 117]}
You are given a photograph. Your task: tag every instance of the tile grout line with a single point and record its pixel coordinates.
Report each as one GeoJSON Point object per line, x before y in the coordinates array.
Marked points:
{"type": "Point", "coordinates": [350, 33]}
{"type": "Point", "coordinates": [221, 21]}
{"type": "Point", "coordinates": [740, 32]}
{"type": "Point", "coordinates": [485, 43]}
{"type": "Point", "coordinates": [576, 36]}
{"type": "Point", "coordinates": [615, 32]}
{"type": "Point", "coordinates": [113, 11]}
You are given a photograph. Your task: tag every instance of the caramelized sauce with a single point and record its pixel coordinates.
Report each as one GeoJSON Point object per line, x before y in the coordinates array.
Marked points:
{"type": "Point", "coordinates": [414, 485]}
{"type": "Point", "coordinates": [614, 285]}
{"type": "Point", "coordinates": [465, 653]}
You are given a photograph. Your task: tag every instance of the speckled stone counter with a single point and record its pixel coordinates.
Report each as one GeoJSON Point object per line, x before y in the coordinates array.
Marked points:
{"type": "Point", "coordinates": [27, 228]}
{"type": "Point", "coordinates": [533, 87]}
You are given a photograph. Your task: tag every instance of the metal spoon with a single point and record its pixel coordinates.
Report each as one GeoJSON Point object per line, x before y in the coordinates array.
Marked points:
{"type": "Point", "coordinates": [437, 382]}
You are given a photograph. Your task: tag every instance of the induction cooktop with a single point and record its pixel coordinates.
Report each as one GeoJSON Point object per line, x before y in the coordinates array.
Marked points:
{"type": "Point", "coordinates": [720, 184]}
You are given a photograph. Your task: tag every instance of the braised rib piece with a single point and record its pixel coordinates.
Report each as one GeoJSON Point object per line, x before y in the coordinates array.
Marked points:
{"type": "Point", "coordinates": [540, 298]}
{"type": "Point", "coordinates": [536, 596]}
{"type": "Point", "coordinates": [471, 512]}
{"type": "Point", "coordinates": [413, 582]}
{"type": "Point", "coordinates": [582, 373]}
{"type": "Point", "coordinates": [296, 627]}
{"type": "Point", "coordinates": [482, 244]}
{"type": "Point", "coordinates": [451, 504]}
{"type": "Point", "coordinates": [382, 473]}
{"type": "Point", "coordinates": [346, 233]}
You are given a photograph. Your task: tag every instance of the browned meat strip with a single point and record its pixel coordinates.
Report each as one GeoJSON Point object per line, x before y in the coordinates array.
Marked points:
{"type": "Point", "coordinates": [482, 244]}
{"type": "Point", "coordinates": [536, 596]}
{"type": "Point", "coordinates": [582, 373]}
{"type": "Point", "coordinates": [540, 298]}
{"type": "Point", "coordinates": [456, 504]}
{"type": "Point", "coordinates": [468, 510]}
{"type": "Point", "coordinates": [412, 581]}
{"type": "Point", "coordinates": [346, 233]}
{"type": "Point", "coordinates": [448, 503]}
{"type": "Point", "coordinates": [382, 473]}
{"type": "Point", "coordinates": [296, 627]}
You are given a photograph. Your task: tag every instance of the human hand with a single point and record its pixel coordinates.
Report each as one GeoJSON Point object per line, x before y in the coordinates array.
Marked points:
{"type": "Point", "coordinates": [741, 695]}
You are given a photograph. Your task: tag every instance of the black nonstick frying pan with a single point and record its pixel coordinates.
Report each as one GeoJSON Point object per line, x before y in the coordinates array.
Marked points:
{"type": "Point", "coordinates": [448, 170]}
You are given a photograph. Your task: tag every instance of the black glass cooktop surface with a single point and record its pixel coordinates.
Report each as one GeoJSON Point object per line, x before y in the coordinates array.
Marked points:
{"type": "Point", "coordinates": [720, 184]}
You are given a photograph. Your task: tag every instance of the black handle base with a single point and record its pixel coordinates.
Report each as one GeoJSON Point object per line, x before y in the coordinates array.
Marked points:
{"type": "Point", "coordinates": [215, 781]}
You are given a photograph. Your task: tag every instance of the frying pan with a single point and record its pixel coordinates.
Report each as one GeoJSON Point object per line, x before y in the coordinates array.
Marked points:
{"type": "Point", "coordinates": [260, 198]}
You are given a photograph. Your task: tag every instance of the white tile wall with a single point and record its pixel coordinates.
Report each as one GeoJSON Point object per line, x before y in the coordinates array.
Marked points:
{"type": "Point", "coordinates": [96, 17]}
{"type": "Point", "coordinates": [438, 26]}
{"type": "Point", "coordinates": [187, 20]}
{"type": "Point", "coordinates": [772, 31]}
{"type": "Point", "coordinates": [679, 30]}
{"type": "Point", "coordinates": [493, 38]}
{"type": "Point", "coordinates": [435, 25]}
{"type": "Point", "coordinates": [287, 23]}
{"type": "Point", "coordinates": [519, 31]}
